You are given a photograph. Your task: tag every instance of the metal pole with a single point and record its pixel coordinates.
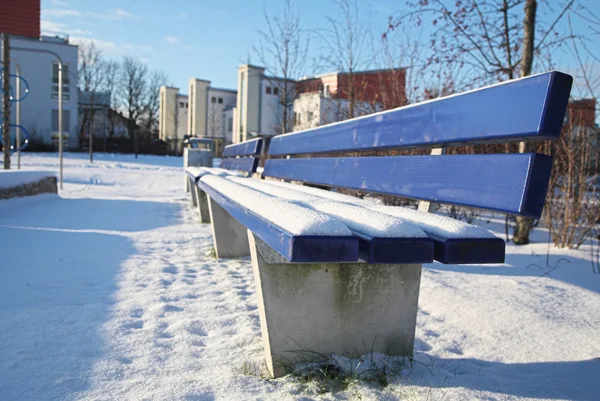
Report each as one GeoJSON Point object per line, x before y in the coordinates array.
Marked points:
{"type": "Point", "coordinates": [90, 133]}
{"type": "Point", "coordinates": [60, 121]}
{"type": "Point", "coordinates": [5, 99]}
{"type": "Point", "coordinates": [60, 103]}
{"type": "Point", "coordinates": [18, 127]}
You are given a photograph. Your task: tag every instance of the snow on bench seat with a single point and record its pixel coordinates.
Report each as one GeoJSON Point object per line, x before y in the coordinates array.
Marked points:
{"type": "Point", "coordinates": [196, 172]}
{"type": "Point", "coordinates": [297, 233]}
{"type": "Point", "coordinates": [383, 238]}
{"type": "Point", "coordinates": [455, 242]}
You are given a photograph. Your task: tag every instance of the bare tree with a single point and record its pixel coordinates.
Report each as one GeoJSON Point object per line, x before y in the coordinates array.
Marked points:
{"type": "Point", "coordinates": [91, 76]}
{"type": "Point", "coordinates": [131, 94]}
{"type": "Point", "coordinates": [493, 40]}
{"type": "Point", "coordinates": [157, 79]}
{"type": "Point", "coordinates": [112, 73]}
{"type": "Point", "coordinates": [214, 120]}
{"type": "Point", "coordinates": [283, 50]}
{"type": "Point", "coordinates": [347, 40]}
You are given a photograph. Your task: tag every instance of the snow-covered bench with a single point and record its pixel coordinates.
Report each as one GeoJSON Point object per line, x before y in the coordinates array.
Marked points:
{"type": "Point", "coordinates": [337, 274]}
{"type": "Point", "coordinates": [240, 160]}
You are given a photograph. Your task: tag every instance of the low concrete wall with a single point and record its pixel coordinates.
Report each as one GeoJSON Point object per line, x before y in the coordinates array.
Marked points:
{"type": "Point", "coordinates": [45, 185]}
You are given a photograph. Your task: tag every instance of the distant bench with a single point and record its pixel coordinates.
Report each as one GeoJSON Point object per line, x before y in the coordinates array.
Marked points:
{"type": "Point", "coordinates": [337, 274]}
{"type": "Point", "coordinates": [237, 160]}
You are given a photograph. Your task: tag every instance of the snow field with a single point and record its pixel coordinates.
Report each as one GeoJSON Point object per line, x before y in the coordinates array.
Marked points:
{"type": "Point", "coordinates": [109, 292]}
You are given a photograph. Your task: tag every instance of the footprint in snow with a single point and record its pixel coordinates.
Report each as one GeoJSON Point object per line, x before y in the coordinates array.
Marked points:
{"type": "Point", "coordinates": [134, 324]}
{"type": "Point", "coordinates": [170, 270]}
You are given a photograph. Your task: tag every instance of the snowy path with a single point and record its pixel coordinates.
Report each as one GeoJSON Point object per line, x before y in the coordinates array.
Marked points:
{"type": "Point", "coordinates": [110, 293]}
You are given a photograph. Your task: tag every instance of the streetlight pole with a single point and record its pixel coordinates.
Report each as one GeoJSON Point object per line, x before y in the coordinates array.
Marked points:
{"type": "Point", "coordinates": [18, 127]}
{"type": "Point", "coordinates": [5, 58]}
{"type": "Point", "coordinates": [60, 103]}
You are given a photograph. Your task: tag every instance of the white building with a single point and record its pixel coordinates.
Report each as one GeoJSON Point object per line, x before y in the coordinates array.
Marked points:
{"type": "Point", "coordinates": [39, 110]}
{"type": "Point", "coordinates": [205, 112]}
{"type": "Point", "coordinates": [310, 101]}
{"type": "Point", "coordinates": [260, 104]}
{"type": "Point", "coordinates": [313, 109]}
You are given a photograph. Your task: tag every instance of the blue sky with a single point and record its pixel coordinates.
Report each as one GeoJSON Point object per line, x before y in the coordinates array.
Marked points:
{"type": "Point", "coordinates": [186, 38]}
{"type": "Point", "coordinates": [197, 38]}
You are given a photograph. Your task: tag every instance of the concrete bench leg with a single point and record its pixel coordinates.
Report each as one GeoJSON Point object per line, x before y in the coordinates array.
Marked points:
{"type": "Point", "coordinates": [202, 201]}
{"type": "Point", "coordinates": [310, 310]}
{"type": "Point", "coordinates": [229, 236]}
{"type": "Point", "coordinates": [194, 199]}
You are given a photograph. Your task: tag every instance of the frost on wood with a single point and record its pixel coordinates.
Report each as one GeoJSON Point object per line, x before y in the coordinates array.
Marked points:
{"type": "Point", "coordinates": [293, 218]}
{"type": "Point", "coordinates": [429, 223]}
{"type": "Point", "coordinates": [355, 217]}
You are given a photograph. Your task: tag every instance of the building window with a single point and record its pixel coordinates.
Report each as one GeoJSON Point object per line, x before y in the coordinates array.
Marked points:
{"type": "Point", "coordinates": [220, 100]}
{"type": "Point", "coordinates": [186, 105]}
{"type": "Point", "coordinates": [276, 91]}
{"type": "Point", "coordinates": [213, 99]}
{"type": "Point", "coordinates": [230, 124]}
{"type": "Point", "coordinates": [297, 118]}
{"type": "Point", "coordinates": [66, 121]}
{"type": "Point", "coordinates": [268, 90]}
{"type": "Point", "coordinates": [309, 116]}
{"type": "Point", "coordinates": [65, 80]}
{"type": "Point", "coordinates": [181, 104]}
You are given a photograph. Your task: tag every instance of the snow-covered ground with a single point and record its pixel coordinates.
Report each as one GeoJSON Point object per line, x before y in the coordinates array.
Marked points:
{"type": "Point", "coordinates": [109, 292]}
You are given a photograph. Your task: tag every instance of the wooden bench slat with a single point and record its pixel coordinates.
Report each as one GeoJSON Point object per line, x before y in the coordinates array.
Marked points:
{"type": "Point", "coordinates": [383, 238]}
{"type": "Point", "coordinates": [455, 242]}
{"type": "Point", "coordinates": [508, 183]}
{"type": "Point", "coordinates": [295, 248]}
{"type": "Point", "coordinates": [195, 173]}
{"type": "Point", "coordinates": [523, 109]}
{"type": "Point", "coordinates": [246, 164]}
{"type": "Point", "coordinates": [248, 148]}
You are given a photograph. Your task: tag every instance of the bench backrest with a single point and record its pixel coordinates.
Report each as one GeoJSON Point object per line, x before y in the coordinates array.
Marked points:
{"type": "Point", "coordinates": [242, 156]}
{"type": "Point", "coordinates": [531, 108]}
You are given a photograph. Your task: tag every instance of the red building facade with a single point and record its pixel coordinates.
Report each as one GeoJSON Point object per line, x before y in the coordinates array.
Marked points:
{"type": "Point", "coordinates": [20, 17]}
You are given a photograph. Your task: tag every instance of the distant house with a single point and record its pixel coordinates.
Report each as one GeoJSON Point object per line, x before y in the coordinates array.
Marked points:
{"type": "Point", "coordinates": [311, 101]}
{"type": "Point", "coordinates": [39, 110]}
{"type": "Point", "coordinates": [205, 112]}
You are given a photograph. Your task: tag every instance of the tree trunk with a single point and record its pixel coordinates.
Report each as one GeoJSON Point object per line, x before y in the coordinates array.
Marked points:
{"type": "Point", "coordinates": [524, 225]}
{"type": "Point", "coordinates": [284, 103]}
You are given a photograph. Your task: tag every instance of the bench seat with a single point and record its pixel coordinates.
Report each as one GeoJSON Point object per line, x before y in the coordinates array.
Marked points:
{"type": "Point", "coordinates": [194, 173]}
{"type": "Point", "coordinates": [455, 242]}
{"type": "Point", "coordinates": [308, 228]}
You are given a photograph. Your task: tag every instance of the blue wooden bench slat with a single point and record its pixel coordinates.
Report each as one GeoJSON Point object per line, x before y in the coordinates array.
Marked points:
{"type": "Point", "coordinates": [247, 164]}
{"type": "Point", "coordinates": [460, 251]}
{"type": "Point", "coordinates": [509, 183]}
{"type": "Point", "coordinates": [248, 148]}
{"type": "Point", "coordinates": [446, 250]}
{"type": "Point", "coordinates": [529, 108]}
{"type": "Point", "coordinates": [396, 250]}
{"type": "Point", "coordinates": [295, 248]}
{"type": "Point", "coordinates": [371, 249]}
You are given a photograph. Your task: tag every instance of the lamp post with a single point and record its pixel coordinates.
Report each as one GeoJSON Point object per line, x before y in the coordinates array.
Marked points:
{"type": "Point", "coordinates": [60, 103]}
{"type": "Point", "coordinates": [18, 119]}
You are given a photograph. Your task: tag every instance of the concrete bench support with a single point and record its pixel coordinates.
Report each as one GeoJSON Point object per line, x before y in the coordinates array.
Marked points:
{"type": "Point", "coordinates": [308, 310]}
{"type": "Point", "coordinates": [191, 185]}
{"type": "Point", "coordinates": [202, 201]}
{"type": "Point", "coordinates": [229, 236]}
